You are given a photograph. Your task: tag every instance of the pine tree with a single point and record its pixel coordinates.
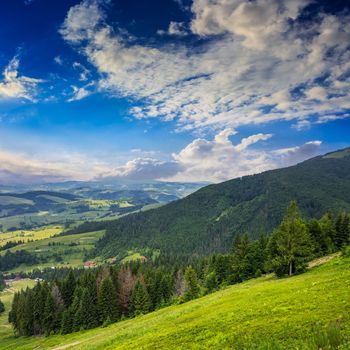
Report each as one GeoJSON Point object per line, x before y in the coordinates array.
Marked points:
{"type": "Point", "coordinates": [108, 301]}
{"type": "Point", "coordinates": [321, 242]}
{"type": "Point", "coordinates": [290, 244]}
{"type": "Point", "coordinates": [140, 300]}
{"type": "Point", "coordinates": [342, 228]}
{"type": "Point", "coordinates": [27, 313]}
{"type": "Point", "coordinates": [328, 229]}
{"type": "Point", "coordinates": [49, 314]}
{"type": "Point", "coordinates": [88, 310]}
{"type": "Point", "coordinates": [67, 321]}
{"type": "Point", "coordinates": [242, 259]}
{"type": "Point", "coordinates": [192, 285]}
{"type": "Point", "coordinates": [2, 307]}
{"type": "Point", "coordinates": [67, 289]}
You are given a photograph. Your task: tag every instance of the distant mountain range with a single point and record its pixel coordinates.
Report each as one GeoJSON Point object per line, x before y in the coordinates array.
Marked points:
{"type": "Point", "coordinates": [28, 206]}
{"type": "Point", "coordinates": [205, 221]}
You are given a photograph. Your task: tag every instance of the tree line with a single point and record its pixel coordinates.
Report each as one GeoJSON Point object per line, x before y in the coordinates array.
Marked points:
{"type": "Point", "coordinates": [107, 294]}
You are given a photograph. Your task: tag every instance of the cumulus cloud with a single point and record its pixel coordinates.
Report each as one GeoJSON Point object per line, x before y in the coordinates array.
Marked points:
{"type": "Point", "coordinates": [294, 155]}
{"type": "Point", "coordinates": [258, 54]}
{"type": "Point", "coordinates": [215, 160]}
{"type": "Point", "coordinates": [14, 85]}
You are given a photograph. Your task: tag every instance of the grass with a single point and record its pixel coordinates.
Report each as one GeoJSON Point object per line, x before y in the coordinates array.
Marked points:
{"type": "Point", "coordinates": [30, 235]}
{"type": "Point", "coordinates": [10, 200]}
{"type": "Point", "coordinates": [71, 248]}
{"type": "Point", "coordinates": [264, 313]}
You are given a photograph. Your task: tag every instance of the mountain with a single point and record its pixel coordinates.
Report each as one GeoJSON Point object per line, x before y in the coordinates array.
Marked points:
{"type": "Point", "coordinates": [30, 206]}
{"type": "Point", "coordinates": [205, 221]}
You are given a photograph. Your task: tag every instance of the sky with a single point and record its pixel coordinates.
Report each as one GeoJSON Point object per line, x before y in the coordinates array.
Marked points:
{"type": "Point", "coordinates": [173, 90]}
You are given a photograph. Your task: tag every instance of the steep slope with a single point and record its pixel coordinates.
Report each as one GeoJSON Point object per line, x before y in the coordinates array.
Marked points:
{"type": "Point", "coordinates": [263, 313]}
{"type": "Point", "coordinates": [206, 220]}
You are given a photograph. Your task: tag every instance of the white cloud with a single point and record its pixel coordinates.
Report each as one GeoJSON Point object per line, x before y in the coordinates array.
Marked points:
{"type": "Point", "coordinates": [80, 92]}
{"type": "Point", "coordinates": [258, 55]}
{"type": "Point", "coordinates": [14, 85]}
{"type": "Point", "coordinates": [317, 93]}
{"type": "Point", "coordinates": [175, 28]}
{"type": "Point", "coordinates": [84, 72]}
{"type": "Point", "coordinates": [58, 60]}
{"type": "Point", "coordinates": [294, 155]}
{"type": "Point", "coordinates": [213, 160]}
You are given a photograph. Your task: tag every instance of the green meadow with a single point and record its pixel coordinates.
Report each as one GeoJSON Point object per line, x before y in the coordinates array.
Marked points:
{"type": "Point", "coordinates": [301, 312]}
{"type": "Point", "coordinates": [30, 235]}
{"type": "Point", "coordinates": [71, 250]}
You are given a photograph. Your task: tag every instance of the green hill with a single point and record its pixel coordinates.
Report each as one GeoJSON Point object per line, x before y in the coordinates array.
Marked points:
{"type": "Point", "coordinates": [205, 221]}
{"type": "Point", "coordinates": [263, 313]}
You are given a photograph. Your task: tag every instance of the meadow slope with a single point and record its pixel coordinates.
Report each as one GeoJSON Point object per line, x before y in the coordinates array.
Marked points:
{"type": "Point", "coordinates": [257, 314]}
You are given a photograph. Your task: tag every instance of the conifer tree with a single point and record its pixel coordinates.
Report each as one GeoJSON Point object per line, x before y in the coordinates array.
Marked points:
{"type": "Point", "coordinates": [108, 301]}
{"type": "Point", "coordinates": [140, 300]}
{"type": "Point", "coordinates": [290, 244]}
{"type": "Point", "coordinates": [49, 314]}
{"type": "Point", "coordinates": [342, 228]}
{"type": "Point", "coordinates": [67, 321]}
{"type": "Point", "coordinates": [88, 310]}
{"type": "Point", "coordinates": [192, 285]}
{"type": "Point", "coordinates": [2, 307]}
{"type": "Point", "coordinates": [67, 288]}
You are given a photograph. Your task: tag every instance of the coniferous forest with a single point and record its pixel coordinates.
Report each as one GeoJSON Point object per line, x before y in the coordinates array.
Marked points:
{"type": "Point", "coordinates": [87, 299]}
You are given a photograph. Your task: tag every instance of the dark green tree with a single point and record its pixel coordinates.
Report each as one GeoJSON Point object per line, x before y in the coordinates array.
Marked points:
{"type": "Point", "coordinates": [192, 285]}
{"type": "Point", "coordinates": [108, 307]}
{"type": "Point", "coordinates": [49, 314]}
{"type": "Point", "coordinates": [140, 300]}
{"type": "Point", "coordinates": [67, 321]}
{"type": "Point", "coordinates": [2, 307]}
{"type": "Point", "coordinates": [342, 228]}
{"type": "Point", "coordinates": [67, 289]}
{"type": "Point", "coordinates": [88, 310]}
{"type": "Point", "coordinates": [290, 244]}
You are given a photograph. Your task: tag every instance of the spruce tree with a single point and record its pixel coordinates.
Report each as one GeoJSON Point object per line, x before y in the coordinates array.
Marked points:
{"type": "Point", "coordinates": [67, 288]}
{"type": "Point", "coordinates": [140, 300]}
{"type": "Point", "coordinates": [49, 314]}
{"type": "Point", "coordinates": [290, 244]}
{"type": "Point", "coordinates": [67, 321]}
{"type": "Point", "coordinates": [88, 310]}
{"type": "Point", "coordinates": [192, 285]}
{"type": "Point", "coordinates": [108, 301]}
{"type": "Point", "coordinates": [2, 307]}
{"type": "Point", "coordinates": [342, 229]}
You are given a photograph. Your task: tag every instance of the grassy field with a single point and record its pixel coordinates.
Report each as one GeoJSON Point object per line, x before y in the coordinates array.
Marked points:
{"type": "Point", "coordinates": [6, 297]}
{"type": "Point", "coordinates": [30, 235]}
{"type": "Point", "coordinates": [264, 313]}
{"type": "Point", "coordinates": [71, 248]}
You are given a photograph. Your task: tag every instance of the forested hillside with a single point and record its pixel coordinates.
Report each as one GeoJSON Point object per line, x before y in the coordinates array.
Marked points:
{"type": "Point", "coordinates": [206, 220]}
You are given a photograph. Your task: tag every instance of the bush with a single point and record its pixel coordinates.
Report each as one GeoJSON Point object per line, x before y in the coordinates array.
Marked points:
{"type": "Point", "coordinates": [346, 251]}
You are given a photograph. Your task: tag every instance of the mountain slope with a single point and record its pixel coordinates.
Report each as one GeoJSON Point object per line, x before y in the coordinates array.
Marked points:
{"type": "Point", "coordinates": [206, 220]}
{"type": "Point", "coordinates": [257, 314]}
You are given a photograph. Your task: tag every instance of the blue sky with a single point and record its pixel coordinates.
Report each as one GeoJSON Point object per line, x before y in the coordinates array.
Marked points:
{"type": "Point", "coordinates": [180, 90]}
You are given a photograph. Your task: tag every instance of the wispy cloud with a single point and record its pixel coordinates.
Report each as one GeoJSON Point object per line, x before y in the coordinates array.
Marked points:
{"type": "Point", "coordinates": [260, 64]}
{"type": "Point", "coordinates": [15, 85]}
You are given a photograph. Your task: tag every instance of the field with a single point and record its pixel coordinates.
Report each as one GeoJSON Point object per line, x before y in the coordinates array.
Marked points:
{"type": "Point", "coordinates": [30, 235]}
{"type": "Point", "coordinates": [70, 248]}
{"type": "Point", "coordinates": [264, 313]}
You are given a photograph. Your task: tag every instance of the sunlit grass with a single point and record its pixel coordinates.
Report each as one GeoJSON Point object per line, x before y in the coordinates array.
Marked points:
{"type": "Point", "coordinates": [264, 313]}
